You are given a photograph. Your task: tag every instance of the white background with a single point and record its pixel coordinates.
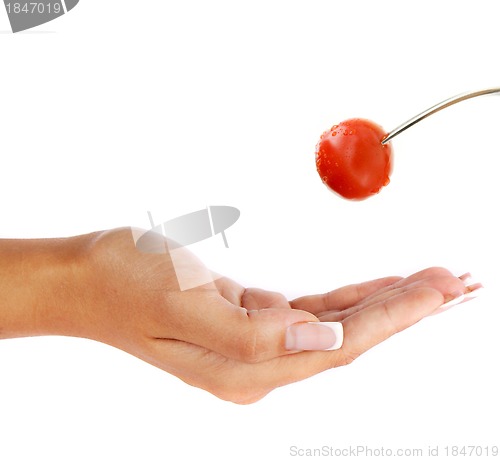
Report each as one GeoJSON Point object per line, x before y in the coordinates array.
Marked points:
{"type": "Point", "coordinates": [120, 107]}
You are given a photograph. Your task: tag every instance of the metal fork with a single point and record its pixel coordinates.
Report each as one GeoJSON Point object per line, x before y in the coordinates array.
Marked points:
{"type": "Point", "coordinates": [436, 108]}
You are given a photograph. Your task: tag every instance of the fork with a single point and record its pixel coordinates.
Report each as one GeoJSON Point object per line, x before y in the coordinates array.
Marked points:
{"type": "Point", "coordinates": [436, 108]}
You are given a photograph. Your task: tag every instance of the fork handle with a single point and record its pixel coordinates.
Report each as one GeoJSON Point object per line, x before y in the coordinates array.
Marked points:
{"type": "Point", "coordinates": [436, 108]}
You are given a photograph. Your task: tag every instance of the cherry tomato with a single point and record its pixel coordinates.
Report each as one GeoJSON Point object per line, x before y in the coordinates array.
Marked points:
{"type": "Point", "coordinates": [351, 159]}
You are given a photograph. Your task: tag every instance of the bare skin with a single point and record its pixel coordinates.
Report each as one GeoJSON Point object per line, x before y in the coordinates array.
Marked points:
{"type": "Point", "coordinates": [222, 337]}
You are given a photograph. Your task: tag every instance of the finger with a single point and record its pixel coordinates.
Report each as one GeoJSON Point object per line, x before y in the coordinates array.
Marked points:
{"type": "Point", "coordinates": [449, 286]}
{"type": "Point", "coordinates": [208, 320]}
{"type": "Point", "coordinates": [421, 275]}
{"type": "Point", "coordinates": [465, 276]}
{"type": "Point", "coordinates": [342, 298]}
{"type": "Point", "coordinates": [470, 284]}
{"type": "Point", "coordinates": [249, 298]}
{"type": "Point", "coordinates": [367, 328]}
{"type": "Point", "coordinates": [380, 321]}
{"type": "Point", "coordinates": [472, 290]}
{"type": "Point", "coordinates": [258, 299]}
{"type": "Point", "coordinates": [229, 289]}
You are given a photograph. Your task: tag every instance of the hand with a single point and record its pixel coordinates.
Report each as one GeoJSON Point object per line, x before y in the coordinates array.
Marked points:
{"type": "Point", "coordinates": [229, 340]}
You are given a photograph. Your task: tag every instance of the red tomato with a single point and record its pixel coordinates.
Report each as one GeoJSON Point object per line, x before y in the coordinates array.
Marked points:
{"type": "Point", "coordinates": [351, 159]}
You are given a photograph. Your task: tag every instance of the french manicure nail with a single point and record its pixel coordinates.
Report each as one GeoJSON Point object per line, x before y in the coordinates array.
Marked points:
{"type": "Point", "coordinates": [314, 336]}
{"type": "Point", "coordinates": [469, 281]}
{"type": "Point", "coordinates": [457, 297]}
{"type": "Point", "coordinates": [475, 292]}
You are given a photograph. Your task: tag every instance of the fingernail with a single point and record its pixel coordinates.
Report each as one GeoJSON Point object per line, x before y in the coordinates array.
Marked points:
{"type": "Point", "coordinates": [465, 276]}
{"type": "Point", "coordinates": [456, 298]}
{"type": "Point", "coordinates": [475, 292]}
{"type": "Point", "coordinates": [469, 281]}
{"type": "Point", "coordinates": [314, 336]}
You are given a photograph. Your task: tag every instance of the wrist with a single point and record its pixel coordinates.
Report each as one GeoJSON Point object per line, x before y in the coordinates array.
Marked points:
{"type": "Point", "coordinates": [41, 286]}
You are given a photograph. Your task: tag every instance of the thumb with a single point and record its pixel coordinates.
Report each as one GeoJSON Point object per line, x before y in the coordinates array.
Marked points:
{"type": "Point", "coordinates": [260, 334]}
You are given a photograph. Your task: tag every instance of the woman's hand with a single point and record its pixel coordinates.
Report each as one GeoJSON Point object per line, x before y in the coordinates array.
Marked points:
{"type": "Point", "coordinates": [237, 343]}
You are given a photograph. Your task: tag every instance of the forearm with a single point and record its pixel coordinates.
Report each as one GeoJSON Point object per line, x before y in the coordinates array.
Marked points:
{"type": "Point", "coordinates": [39, 282]}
